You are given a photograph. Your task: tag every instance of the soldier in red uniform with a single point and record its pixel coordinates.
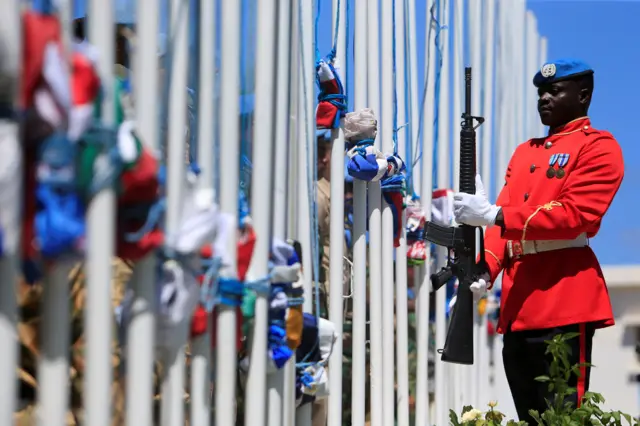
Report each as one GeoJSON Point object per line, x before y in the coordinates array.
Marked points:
{"type": "Point", "coordinates": [556, 192]}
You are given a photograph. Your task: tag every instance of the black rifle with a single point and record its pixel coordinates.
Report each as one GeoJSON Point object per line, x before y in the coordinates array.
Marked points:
{"type": "Point", "coordinates": [458, 347]}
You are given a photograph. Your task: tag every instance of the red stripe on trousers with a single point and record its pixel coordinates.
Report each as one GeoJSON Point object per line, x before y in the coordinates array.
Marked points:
{"type": "Point", "coordinates": [583, 369]}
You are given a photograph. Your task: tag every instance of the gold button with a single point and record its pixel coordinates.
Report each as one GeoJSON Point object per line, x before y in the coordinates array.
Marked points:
{"type": "Point", "coordinates": [548, 145]}
{"type": "Point", "coordinates": [585, 127]}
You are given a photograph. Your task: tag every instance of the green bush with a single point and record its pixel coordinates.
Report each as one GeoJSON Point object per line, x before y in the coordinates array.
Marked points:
{"type": "Point", "coordinates": [558, 412]}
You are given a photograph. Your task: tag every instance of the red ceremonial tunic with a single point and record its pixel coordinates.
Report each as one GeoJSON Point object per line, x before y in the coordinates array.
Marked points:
{"type": "Point", "coordinates": [566, 286]}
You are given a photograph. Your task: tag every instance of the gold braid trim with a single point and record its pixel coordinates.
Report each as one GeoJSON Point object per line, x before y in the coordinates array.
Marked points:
{"type": "Point", "coordinates": [548, 207]}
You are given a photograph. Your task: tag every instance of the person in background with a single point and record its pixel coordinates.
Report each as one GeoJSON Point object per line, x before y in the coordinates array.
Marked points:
{"type": "Point", "coordinates": [557, 190]}
{"type": "Point", "coordinates": [323, 198]}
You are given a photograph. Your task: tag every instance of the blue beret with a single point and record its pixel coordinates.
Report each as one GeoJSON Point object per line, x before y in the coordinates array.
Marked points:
{"type": "Point", "coordinates": [561, 69]}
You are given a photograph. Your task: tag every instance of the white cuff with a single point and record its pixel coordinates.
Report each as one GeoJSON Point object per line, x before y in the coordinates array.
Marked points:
{"type": "Point", "coordinates": [492, 214]}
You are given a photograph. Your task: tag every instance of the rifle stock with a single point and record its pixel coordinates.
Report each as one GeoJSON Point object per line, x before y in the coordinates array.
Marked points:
{"type": "Point", "coordinates": [458, 347]}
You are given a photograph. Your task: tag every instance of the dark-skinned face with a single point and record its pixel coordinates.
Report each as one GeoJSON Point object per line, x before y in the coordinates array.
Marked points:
{"type": "Point", "coordinates": [561, 102]}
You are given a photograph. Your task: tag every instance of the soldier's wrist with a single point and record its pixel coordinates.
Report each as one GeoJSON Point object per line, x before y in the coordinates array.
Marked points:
{"type": "Point", "coordinates": [500, 219]}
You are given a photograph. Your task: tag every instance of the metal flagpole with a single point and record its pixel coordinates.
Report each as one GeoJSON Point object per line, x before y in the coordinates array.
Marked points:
{"type": "Point", "coordinates": [414, 99]}
{"type": "Point", "coordinates": [531, 61]}
{"type": "Point", "coordinates": [505, 117]}
{"type": "Point", "coordinates": [294, 123]}
{"type": "Point", "coordinates": [174, 380]}
{"type": "Point", "coordinates": [336, 251]}
{"type": "Point", "coordinates": [10, 66]}
{"type": "Point", "coordinates": [141, 327]}
{"type": "Point", "coordinates": [336, 258]}
{"type": "Point", "coordinates": [402, 321]}
{"type": "Point", "coordinates": [475, 42]}
{"type": "Point", "coordinates": [458, 64]}
{"type": "Point", "coordinates": [460, 372]}
{"type": "Point", "coordinates": [521, 91]}
{"type": "Point", "coordinates": [281, 175]}
{"type": "Point", "coordinates": [423, 411]}
{"type": "Point", "coordinates": [226, 355]}
{"type": "Point", "coordinates": [101, 239]}
{"type": "Point", "coordinates": [544, 46]}
{"type": "Point", "coordinates": [370, 86]}
{"type": "Point", "coordinates": [488, 101]}
{"type": "Point", "coordinates": [306, 160]}
{"type": "Point", "coordinates": [444, 181]}
{"type": "Point", "coordinates": [487, 145]}
{"type": "Point", "coordinates": [388, 281]}
{"type": "Point", "coordinates": [258, 384]}
{"type": "Point", "coordinates": [200, 390]}
{"type": "Point", "coordinates": [53, 365]}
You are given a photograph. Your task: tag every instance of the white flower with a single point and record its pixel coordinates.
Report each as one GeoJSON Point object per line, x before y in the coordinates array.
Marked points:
{"type": "Point", "coordinates": [493, 404]}
{"type": "Point", "coordinates": [473, 414]}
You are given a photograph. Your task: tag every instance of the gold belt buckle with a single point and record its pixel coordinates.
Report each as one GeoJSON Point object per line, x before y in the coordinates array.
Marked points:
{"type": "Point", "coordinates": [515, 249]}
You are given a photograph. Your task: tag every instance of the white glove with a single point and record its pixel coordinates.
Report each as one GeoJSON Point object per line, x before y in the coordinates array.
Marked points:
{"type": "Point", "coordinates": [475, 210]}
{"type": "Point", "coordinates": [479, 288]}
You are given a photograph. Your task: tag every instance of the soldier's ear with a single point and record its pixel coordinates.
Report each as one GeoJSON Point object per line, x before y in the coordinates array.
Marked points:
{"type": "Point", "coordinates": [585, 98]}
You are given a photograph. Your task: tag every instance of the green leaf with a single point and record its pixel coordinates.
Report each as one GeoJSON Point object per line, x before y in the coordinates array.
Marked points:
{"type": "Point", "coordinates": [453, 418]}
{"type": "Point", "coordinates": [466, 408]}
{"type": "Point", "coordinates": [542, 379]}
{"type": "Point", "coordinates": [616, 416]}
{"type": "Point", "coordinates": [569, 336]}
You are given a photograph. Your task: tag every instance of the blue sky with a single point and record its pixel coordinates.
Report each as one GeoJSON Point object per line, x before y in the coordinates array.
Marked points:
{"type": "Point", "coordinates": [605, 34]}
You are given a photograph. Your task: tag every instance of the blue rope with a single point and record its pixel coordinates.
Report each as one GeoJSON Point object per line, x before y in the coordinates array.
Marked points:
{"type": "Point", "coordinates": [434, 24]}
{"type": "Point", "coordinates": [230, 291]}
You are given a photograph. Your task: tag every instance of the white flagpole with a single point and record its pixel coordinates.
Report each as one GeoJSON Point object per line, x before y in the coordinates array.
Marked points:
{"type": "Point", "coordinates": [414, 98]}
{"type": "Point", "coordinates": [371, 69]}
{"type": "Point", "coordinates": [200, 390]}
{"type": "Point", "coordinates": [487, 145]}
{"type": "Point", "coordinates": [402, 322]}
{"type": "Point", "coordinates": [259, 385]}
{"type": "Point", "coordinates": [521, 91]}
{"type": "Point", "coordinates": [336, 258]}
{"type": "Point", "coordinates": [388, 320]}
{"type": "Point", "coordinates": [101, 240]}
{"type": "Point", "coordinates": [306, 160]}
{"type": "Point", "coordinates": [226, 354]}
{"type": "Point", "coordinates": [141, 327]}
{"type": "Point", "coordinates": [444, 156]}
{"type": "Point", "coordinates": [173, 385]}
{"type": "Point", "coordinates": [475, 41]}
{"type": "Point", "coordinates": [423, 412]}
{"type": "Point", "coordinates": [488, 101]}
{"type": "Point", "coordinates": [53, 365]}
{"type": "Point", "coordinates": [544, 46]}
{"type": "Point", "coordinates": [281, 174]}
{"type": "Point", "coordinates": [531, 66]}
{"type": "Point", "coordinates": [11, 47]}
